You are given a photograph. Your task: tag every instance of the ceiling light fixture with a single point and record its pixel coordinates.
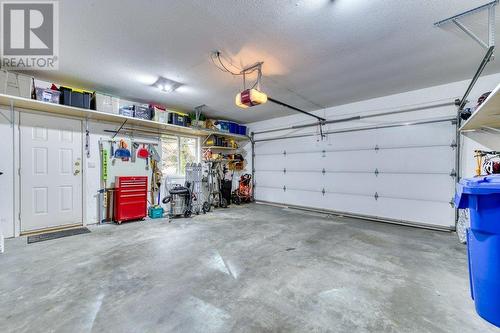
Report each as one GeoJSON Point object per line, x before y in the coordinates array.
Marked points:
{"type": "Point", "coordinates": [166, 85]}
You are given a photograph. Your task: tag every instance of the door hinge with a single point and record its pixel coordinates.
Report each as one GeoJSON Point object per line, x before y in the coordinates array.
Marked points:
{"type": "Point", "coordinates": [453, 173]}
{"type": "Point", "coordinates": [19, 171]}
{"type": "Point", "coordinates": [19, 216]}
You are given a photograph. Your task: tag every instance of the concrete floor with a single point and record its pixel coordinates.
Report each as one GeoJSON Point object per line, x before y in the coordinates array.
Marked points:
{"type": "Point", "coordinates": [247, 269]}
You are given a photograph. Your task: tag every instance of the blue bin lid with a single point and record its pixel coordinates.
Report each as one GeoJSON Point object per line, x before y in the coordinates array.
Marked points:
{"type": "Point", "coordinates": [482, 185]}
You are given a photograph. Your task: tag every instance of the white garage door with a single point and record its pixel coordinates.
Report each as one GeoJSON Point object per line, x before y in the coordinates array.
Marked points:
{"type": "Point", "coordinates": [402, 173]}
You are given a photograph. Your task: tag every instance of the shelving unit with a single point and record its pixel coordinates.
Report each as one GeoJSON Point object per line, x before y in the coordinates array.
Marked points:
{"type": "Point", "coordinates": [484, 125]}
{"type": "Point", "coordinates": [487, 115]}
{"type": "Point", "coordinates": [34, 106]}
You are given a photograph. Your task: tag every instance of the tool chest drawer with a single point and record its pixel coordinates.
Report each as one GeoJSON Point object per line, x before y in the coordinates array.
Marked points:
{"type": "Point", "coordinates": [130, 198]}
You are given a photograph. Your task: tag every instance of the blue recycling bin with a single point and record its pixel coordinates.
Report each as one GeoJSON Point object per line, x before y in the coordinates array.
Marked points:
{"type": "Point", "coordinates": [482, 196]}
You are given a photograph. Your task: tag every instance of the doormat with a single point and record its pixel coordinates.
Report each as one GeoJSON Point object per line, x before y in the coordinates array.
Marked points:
{"type": "Point", "coordinates": [57, 234]}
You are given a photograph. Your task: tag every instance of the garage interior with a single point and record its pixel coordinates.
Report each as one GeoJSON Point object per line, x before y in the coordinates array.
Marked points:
{"type": "Point", "coordinates": [249, 166]}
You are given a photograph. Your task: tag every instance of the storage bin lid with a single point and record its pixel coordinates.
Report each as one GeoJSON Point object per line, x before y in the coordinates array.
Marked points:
{"type": "Point", "coordinates": [483, 185]}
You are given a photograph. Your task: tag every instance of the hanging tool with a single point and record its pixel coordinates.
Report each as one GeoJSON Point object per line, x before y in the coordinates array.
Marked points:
{"type": "Point", "coordinates": [104, 165]}
{"type": "Point", "coordinates": [87, 138]}
{"type": "Point", "coordinates": [143, 152]}
{"type": "Point", "coordinates": [154, 153]}
{"type": "Point", "coordinates": [156, 177]}
{"type": "Point", "coordinates": [133, 151]}
{"type": "Point", "coordinates": [122, 152]}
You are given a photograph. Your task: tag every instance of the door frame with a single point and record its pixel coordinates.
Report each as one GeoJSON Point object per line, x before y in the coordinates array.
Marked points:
{"type": "Point", "coordinates": [17, 167]}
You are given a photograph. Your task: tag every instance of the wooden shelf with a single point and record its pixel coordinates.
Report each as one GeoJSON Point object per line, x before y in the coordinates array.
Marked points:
{"type": "Point", "coordinates": [483, 126]}
{"type": "Point", "coordinates": [219, 160]}
{"type": "Point", "coordinates": [219, 148]}
{"type": "Point", "coordinates": [487, 115]}
{"type": "Point", "coordinates": [34, 106]}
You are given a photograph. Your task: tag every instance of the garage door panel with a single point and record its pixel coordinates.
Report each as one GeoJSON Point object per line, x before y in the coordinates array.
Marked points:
{"type": "Point", "coordinates": [416, 135]}
{"type": "Point", "coordinates": [270, 179]}
{"type": "Point", "coordinates": [364, 205]}
{"type": "Point", "coordinates": [431, 159]}
{"type": "Point", "coordinates": [430, 187]}
{"type": "Point", "coordinates": [338, 202]}
{"type": "Point", "coordinates": [423, 212]}
{"type": "Point", "coordinates": [269, 162]}
{"type": "Point", "coordinates": [269, 194]}
{"type": "Point", "coordinates": [345, 140]}
{"type": "Point", "coordinates": [350, 183]}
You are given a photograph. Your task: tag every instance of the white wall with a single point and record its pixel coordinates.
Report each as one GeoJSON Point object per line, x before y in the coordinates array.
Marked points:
{"type": "Point", "coordinates": [92, 167]}
{"type": "Point", "coordinates": [420, 97]}
{"type": "Point", "coordinates": [91, 171]}
{"type": "Point", "coordinates": [7, 179]}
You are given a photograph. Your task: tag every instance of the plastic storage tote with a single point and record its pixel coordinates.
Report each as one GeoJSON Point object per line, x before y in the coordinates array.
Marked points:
{"type": "Point", "coordinates": [15, 84]}
{"type": "Point", "coordinates": [176, 119]}
{"type": "Point", "coordinates": [143, 112]}
{"type": "Point", "coordinates": [233, 127]}
{"type": "Point", "coordinates": [47, 95]}
{"type": "Point", "coordinates": [155, 212]}
{"type": "Point", "coordinates": [222, 125]}
{"type": "Point", "coordinates": [482, 196]}
{"type": "Point", "coordinates": [105, 103]}
{"type": "Point", "coordinates": [75, 97]}
{"type": "Point", "coordinates": [242, 130]}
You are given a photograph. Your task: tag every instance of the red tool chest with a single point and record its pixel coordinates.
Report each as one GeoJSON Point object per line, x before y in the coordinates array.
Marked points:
{"type": "Point", "coordinates": [131, 197]}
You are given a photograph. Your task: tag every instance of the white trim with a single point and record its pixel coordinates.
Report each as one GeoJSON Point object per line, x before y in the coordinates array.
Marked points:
{"type": "Point", "coordinates": [16, 155]}
{"type": "Point", "coordinates": [83, 175]}
{"type": "Point", "coordinates": [178, 138]}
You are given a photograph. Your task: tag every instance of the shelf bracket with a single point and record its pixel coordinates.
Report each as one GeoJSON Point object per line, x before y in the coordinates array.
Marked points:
{"type": "Point", "coordinates": [120, 128]}
{"type": "Point", "coordinates": [490, 7]}
{"type": "Point", "coordinates": [488, 45]}
{"type": "Point", "coordinates": [198, 111]}
{"type": "Point", "coordinates": [11, 119]}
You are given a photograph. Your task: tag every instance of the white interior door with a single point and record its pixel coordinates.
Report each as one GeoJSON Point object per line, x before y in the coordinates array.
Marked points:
{"type": "Point", "coordinates": [51, 180]}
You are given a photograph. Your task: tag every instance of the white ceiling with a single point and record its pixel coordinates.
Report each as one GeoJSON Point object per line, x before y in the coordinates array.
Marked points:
{"type": "Point", "coordinates": [316, 53]}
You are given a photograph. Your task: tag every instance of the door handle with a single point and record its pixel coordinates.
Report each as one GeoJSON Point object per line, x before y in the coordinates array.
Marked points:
{"type": "Point", "coordinates": [77, 169]}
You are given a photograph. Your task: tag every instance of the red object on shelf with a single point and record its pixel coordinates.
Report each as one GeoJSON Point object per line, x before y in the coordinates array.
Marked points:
{"type": "Point", "coordinates": [131, 197]}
